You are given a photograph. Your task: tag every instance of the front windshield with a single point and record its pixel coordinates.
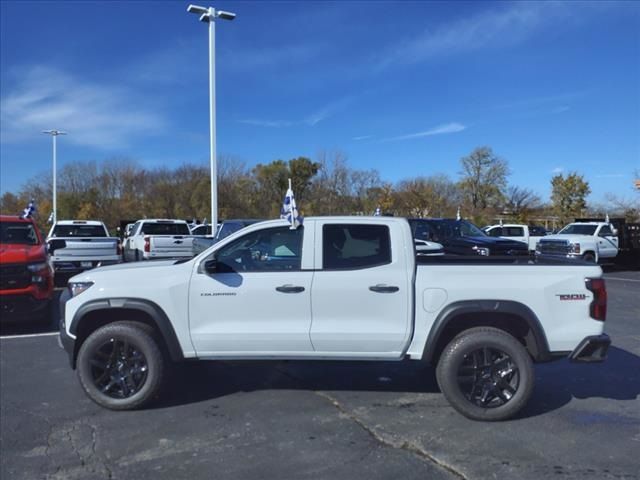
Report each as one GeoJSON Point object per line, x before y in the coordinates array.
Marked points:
{"type": "Point", "coordinates": [578, 229]}
{"type": "Point", "coordinates": [18, 233]}
{"type": "Point", "coordinates": [468, 229]}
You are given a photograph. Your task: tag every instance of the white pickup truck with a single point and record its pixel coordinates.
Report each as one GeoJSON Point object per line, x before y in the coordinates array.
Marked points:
{"type": "Point", "coordinates": [152, 239]}
{"type": "Point", "coordinates": [337, 288]}
{"type": "Point", "coordinates": [85, 244]}
{"type": "Point", "coordinates": [521, 233]}
{"type": "Point", "coordinates": [590, 241]}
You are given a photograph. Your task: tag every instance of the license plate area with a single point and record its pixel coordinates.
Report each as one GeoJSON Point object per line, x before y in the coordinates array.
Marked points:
{"type": "Point", "coordinates": [86, 264]}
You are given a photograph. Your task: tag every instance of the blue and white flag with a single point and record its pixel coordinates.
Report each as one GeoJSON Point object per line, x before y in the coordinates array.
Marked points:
{"type": "Point", "coordinates": [289, 210]}
{"type": "Point", "coordinates": [50, 219]}
{"type": "Point", "coordinates": [458, 217]}
{"type": "Point", "coordinates": [30, 210]}
{"type": "Point", "coordinates": [378, 212]}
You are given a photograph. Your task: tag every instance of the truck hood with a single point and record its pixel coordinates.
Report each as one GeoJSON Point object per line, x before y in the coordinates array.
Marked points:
{"type": "Point", "coordinates": [503, 243]}
{"type": "Point", "coordinates": [568, 237]}
{"type": "Point", "coordinates": [124, 270]}
{"type": "Point", "coordinates": [13, 253]}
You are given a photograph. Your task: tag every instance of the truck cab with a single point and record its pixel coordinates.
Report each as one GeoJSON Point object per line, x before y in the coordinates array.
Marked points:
{"type": "Point", "coordinates": [530, 235]}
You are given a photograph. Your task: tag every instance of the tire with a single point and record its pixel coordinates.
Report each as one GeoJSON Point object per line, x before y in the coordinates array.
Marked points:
{"type": "Point", "coordinates": [589, 257]}
{"type": "Point", "coordinates": [121, 366]}
{"type": "Point", "coordinates": [486, 374]}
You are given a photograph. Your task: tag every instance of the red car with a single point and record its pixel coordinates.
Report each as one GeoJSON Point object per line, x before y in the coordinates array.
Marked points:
{"type": "Point", "coordinates": [26, 280]}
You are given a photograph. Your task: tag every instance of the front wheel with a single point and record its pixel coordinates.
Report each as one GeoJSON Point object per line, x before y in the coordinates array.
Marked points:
{"type": "Point", "coordinates": [121, 366]}
{"type": "Point", "coordinates": [486, 374]}
{"type": "Point", "coordinates": [589, 257]}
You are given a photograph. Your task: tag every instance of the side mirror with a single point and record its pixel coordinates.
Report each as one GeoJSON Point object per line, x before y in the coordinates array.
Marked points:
{"type": "Point", "coordinates": [211, 265]}
{"type": "Point", "coordinates": [54, 245]}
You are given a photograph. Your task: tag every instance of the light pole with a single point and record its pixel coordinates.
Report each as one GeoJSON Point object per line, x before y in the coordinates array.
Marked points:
{"type": "Point", "coordinates": [209, 15]}
{"type": "Point", "coordinates": [54, 134]}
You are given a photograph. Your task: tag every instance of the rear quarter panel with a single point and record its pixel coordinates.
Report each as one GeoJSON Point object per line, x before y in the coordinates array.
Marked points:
{"type": "Point", "coordinates": [539, 287]}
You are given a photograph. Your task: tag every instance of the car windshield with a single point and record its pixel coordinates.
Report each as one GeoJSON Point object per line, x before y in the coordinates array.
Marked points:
{"type": "Point", "coordinates": [578, 229]}
{"type": "Point", "coordinates": [79, 231]}
{"type": "Point", "coordinates": [165, 229]}
{"type": "Point", "coordinates": [18, 233]}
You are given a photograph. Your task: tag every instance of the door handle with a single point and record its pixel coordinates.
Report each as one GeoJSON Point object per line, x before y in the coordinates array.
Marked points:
{"type": "Point", "coordinates": [380, 288]}
{"type": "Point", "coordinates": [290, 289]}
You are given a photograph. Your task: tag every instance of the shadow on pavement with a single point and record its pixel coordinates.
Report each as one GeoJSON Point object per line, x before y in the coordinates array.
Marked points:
{"type": "Point", "coordinates": [618, 378]}
{"type": "Point", "coordinates": [199, 381]}
{"type": "Point", "coordinates": [557, 383]}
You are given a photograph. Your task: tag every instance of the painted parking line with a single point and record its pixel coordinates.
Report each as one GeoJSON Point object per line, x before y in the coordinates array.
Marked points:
{"type": "Point", "coordinates": [29, 335]}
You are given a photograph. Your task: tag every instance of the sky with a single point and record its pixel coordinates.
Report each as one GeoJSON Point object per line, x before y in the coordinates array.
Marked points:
{"type": "Point", "coordinates": [405, 88]}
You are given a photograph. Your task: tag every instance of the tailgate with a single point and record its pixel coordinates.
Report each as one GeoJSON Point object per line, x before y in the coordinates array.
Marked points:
{"type": "Point", "coordinates": [167, 245]}
{"type": "Point", "coordinates": [87, 248]}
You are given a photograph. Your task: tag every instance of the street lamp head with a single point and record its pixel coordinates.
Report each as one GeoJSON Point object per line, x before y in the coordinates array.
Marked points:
{"type": "Point", "coordinates": [197, 9]}
{"type": "Point", "coordinates": [54, 132]}
{"type": "Point", "coordinates": [225, 15]}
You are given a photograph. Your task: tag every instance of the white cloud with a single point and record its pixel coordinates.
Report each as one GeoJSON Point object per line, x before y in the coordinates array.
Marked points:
{"type": "Point", "coordinates": [453, 127]}
{"type": "Point", "coordinates": [94, 114]}
{"type": "Point", "coordinates": [267, 123]}
{"type": "Point", "coordinates": [363, 137]}
{"type": "Point", "coordinates": [560, 109]}
{"type": "Point", "coordinates": [557, 170]}
{"type": "Point", "coordinates": [494, 28]}
{"type": "Point", "coordinates": [311, 120]}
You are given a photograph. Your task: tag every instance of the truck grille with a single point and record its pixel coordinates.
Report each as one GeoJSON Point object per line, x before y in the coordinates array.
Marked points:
{"type": "Point", "coordinates": [554, 247]}
{"type": "Point", "coordinates": [14, 276]}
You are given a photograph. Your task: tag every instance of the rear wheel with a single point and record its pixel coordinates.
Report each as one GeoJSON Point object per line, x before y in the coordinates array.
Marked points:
{"type": "Point", "coordinates": [486, 374]}
{"type": "Point", "coordinates": [121, 366]}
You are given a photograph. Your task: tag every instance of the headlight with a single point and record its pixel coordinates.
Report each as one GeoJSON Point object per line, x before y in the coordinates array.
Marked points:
{"type": "Point", "coordinates": [76, 288]}
{"type": "Point", "coordinates": [484, 251]}
{"type": "Point", "coordinates": [37, 267]}
{"type": "Point", "coordinates": [574, 248]}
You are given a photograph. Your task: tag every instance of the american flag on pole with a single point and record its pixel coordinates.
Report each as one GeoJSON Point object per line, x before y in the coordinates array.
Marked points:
{"type": "Point", "coordinates": [289, 211]}
{"type": "Point", "coordinates": [30, 210]}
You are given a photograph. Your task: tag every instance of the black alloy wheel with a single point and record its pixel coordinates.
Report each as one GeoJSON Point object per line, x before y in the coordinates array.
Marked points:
{"type": "Point", "coordinates": [118, 368]}
{"type": "Point", "coordinates": [121, 366]}
{"type": "Point", "coordinates": [486, 374]}
{"type": "Point", "coordinates": [488, 377]}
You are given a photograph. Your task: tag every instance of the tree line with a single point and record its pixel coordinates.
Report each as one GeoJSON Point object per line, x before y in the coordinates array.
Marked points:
{"type": "Point", "coordinates": [120, 189]}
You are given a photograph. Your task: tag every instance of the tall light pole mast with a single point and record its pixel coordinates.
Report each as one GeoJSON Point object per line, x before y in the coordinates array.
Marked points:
{"type": "Point", "coordinates": [54, 134]}
{"type": "Point", "coordinates": [209, 15]}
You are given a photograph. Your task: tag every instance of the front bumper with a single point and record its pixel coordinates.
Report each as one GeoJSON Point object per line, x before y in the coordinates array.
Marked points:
{"type": "Point", "coordinates": [66, 341]}
{"type": "Point", "coordinates": [20, 307]}
{"type": "Point", "coordinates": [592, 349]}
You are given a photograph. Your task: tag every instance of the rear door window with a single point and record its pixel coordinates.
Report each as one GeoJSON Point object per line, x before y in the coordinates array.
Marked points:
{"type": "Point", "coordinates": [355, 246]}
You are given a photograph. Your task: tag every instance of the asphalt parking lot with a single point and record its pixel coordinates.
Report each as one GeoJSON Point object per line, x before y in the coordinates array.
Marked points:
{"type": "Point", "coordinates": [245, 420]}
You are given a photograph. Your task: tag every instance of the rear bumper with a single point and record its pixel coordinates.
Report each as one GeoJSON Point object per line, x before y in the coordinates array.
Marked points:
{"type": "Point", "coordinates": [592, 349]}
{"type": "Point", "coordinates": [78, 266]}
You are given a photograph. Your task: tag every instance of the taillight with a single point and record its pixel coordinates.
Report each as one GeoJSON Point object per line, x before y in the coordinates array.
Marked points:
{"type": "Point", "coordinates": [147, 244]}
{"type": "Point", "coordinates": [598, 307]}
